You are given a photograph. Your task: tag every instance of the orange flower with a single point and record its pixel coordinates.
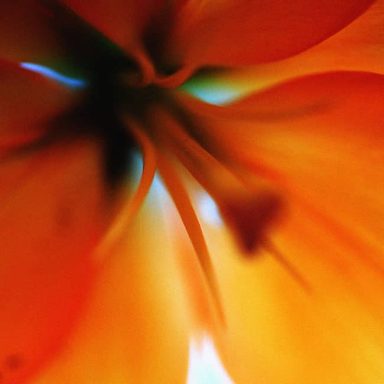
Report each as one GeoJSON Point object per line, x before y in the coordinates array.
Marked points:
{"type": "Point", "coordinates": [293, 164]}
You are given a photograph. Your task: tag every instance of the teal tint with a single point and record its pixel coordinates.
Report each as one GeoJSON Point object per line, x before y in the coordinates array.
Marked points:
{"type": "Point", "coordinates": [210, 92]}
{"type": "Point", "coordinates": [55, 75]}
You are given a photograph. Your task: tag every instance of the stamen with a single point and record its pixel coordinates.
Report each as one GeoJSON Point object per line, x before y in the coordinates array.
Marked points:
{"type": "Point", "coordinates": [176, 79]}
{"type": "Point", "coordinates": [131, 208]}
{"type": "Point", "coordinates": [184, 206]}
{"type": "Point", "coordinates": [146, 67]}
{"type": "Point", "coordinates": [248, 210]}
{"type": "Point", "coordinates": [287, 265]}
{"type": "Point", "coordinates": [196, 159]}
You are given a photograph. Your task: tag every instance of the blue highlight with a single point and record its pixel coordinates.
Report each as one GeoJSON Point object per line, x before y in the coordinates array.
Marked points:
{"type": "Point", "coordinates": [54, 75]}
{"type": "Point", "coordinates": [208, 210]}
{"type": "Point", "coordinates": [206, 206]}
{"type": "Point", "coordinates": [212, 94]}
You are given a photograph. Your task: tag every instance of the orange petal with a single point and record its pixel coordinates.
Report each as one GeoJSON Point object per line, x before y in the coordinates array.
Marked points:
{"type": "Point", "coordinates": [28, 103]}
{"type": "Point", "coordinates": [230, 33]}
{"type": "Point", "coordinates": [358, 47]}
{"type": "Point", "coordinates": [55, 208]}
{"type": "Point", "coordinates": [136, 322]}
{"type": "Point", "coordinates": [320, 137]}
{"type": "Point", "coordinates": [26, 33]}
{"type": "Point", "coordinates": [122, 21]}
{"type": "Point", "coordinates": [289, 336]}
{"type": "Point", "coordinates": [248, 211]}
{"type": "Point", "coordinates": [320, 140]}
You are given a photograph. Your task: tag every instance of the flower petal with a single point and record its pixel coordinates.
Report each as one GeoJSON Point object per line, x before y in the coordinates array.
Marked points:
{"type": "Point", "coordinates": [136, 322]}
{"type": "Point", "coordinates": [247, 211]}
{"type": "Point", "coordinates": [320, 139]}
{"type": "Point", "coordinates": [28, 104]}
{"type": "Point", "coordinates": [358, 47]}
{"type": "Point", "coordinates": [231, 33]}
{"type": "Point", "coordinates": [26, 33]}
{"type": "Point", "coordinates": [54, 210]}
{"type": "Point", "coordinates": [122, 21]}
{"type": "Point", "coordinates": [289, 336]}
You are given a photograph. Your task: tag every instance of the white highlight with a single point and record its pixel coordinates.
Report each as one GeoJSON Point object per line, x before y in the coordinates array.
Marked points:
{"type": "Point", "coordinates": [54, 75]}
{"type": "Point", "coordinates": [159, 188]}
{"type": "Point", "coordinates": [205, 366]}
{"type": "Point", "coordinates": [208, 210]}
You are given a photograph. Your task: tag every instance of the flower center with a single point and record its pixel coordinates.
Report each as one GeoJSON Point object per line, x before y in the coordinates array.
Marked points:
{"type": "Point", "coordinates": [127, 106]}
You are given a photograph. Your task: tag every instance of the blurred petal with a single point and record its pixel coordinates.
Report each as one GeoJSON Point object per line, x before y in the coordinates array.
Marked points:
{"type": "Point", "coordinates": [136, 322]}
{"type": "Point", "coordinates": [230, 33]}
{"type": "Point", "coordinates": [317, 137]}
{"type": "Point", "coordinates": [358, 47]}
{"type": "Point", "coordinates": [54, 210]}
{"type": "Point", "coordinates": [28, 103]}
{"type": "Point", "coordinates": [320, 139]}
{"type": "Point", "coordinates": [248, 211]}
{"type": "Point", "coordinates": [26, 33]}
{"type": "Point", "coordinates": [288, 336]}
{"type": "Point", "coordinates": [122, 21]}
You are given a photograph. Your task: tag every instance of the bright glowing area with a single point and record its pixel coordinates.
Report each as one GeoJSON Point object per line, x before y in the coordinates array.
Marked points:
{"type": "Point", "coordinates": [205, 366]}
{"type": "Point", "coordinates": [208, 210]}
{"type": "Point", "coordinates": [212, 92]}
{"type": "Point", "coordinates": [159, 188]}
{"type": "Point", "coordinates": [158, 192]}
{"type": "Point", "coordinates": [212, 95]}
{"type": "Point", "coordinates": [54, 75]}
